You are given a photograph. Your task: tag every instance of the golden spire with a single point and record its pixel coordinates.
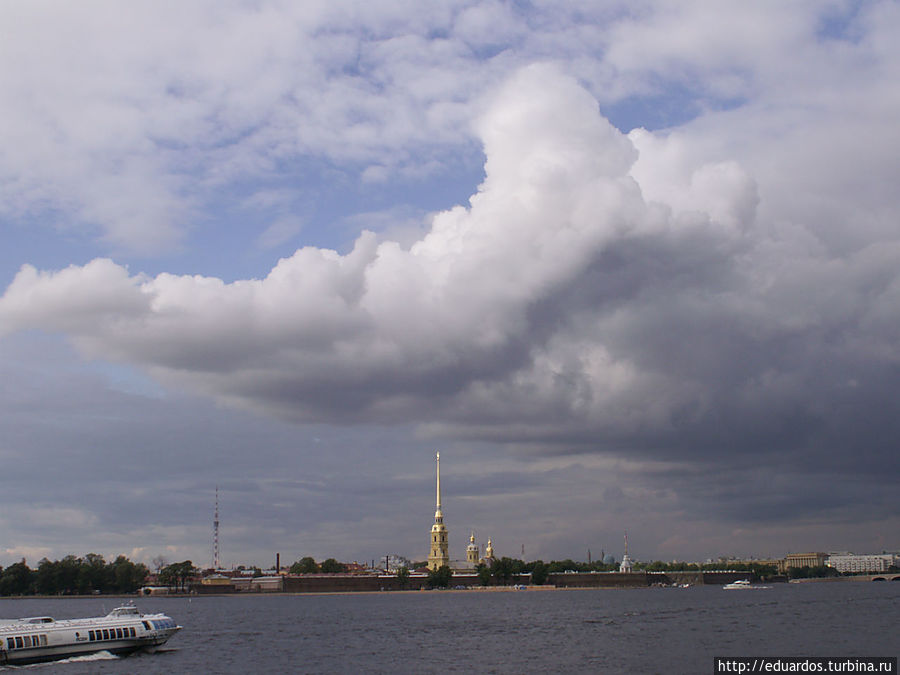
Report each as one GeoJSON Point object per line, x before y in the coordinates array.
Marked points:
{"type": "Point", "coordinates": [438, 509]}
{"type": "Point", "coordinates": [440, 554]}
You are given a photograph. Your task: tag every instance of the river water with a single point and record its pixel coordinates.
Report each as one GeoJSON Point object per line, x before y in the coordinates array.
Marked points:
{"type": "Point", "coordinates": [646, 630]}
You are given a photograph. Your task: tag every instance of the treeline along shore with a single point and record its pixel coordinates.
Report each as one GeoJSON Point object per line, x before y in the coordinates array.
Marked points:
{"type": "Point", "coordinates": [90, 575]}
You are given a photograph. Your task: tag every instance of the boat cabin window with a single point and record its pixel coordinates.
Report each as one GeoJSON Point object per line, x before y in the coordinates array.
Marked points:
{"type": "Point", "coordinates": [146, 625]}
{"type": "Point", "coordinates": [26, 641]}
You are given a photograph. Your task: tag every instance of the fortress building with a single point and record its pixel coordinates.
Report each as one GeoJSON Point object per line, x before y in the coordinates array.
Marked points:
{"type": "Point", "coordinates": [440, 551]}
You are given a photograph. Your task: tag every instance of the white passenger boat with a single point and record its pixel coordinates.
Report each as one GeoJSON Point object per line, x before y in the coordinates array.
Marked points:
{"type": "Point", "coordinates": [122, 631]}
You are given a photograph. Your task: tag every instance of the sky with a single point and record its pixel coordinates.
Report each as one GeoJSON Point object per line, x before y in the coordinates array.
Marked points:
{"type": "Point", "coordinates": [629, 266]}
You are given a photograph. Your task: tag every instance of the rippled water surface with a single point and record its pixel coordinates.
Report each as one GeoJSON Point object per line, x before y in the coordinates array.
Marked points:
{"type": "Point", "coordinates": [652, 630]}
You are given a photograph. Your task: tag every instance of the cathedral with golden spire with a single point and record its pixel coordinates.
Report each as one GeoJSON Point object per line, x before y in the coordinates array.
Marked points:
{"type": "Point", "coordinates": [440, 549]}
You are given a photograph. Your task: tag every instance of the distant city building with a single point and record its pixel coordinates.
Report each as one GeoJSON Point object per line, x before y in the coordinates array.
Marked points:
{"type": "Point", "coordinates": [216, 580]}
{"type": "Point", "coordinates": [804, 560]}
{"type": "Point", "coordinates": [440, 550]}
{"type": "Point", "coordinates": [777, 563]}
{"type": "Point", "coordinates": [861, 563]}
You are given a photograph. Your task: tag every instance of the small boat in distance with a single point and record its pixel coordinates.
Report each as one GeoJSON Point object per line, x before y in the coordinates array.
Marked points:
{"type": "Point", "coordinates": [123, 631]}
{"type": "Point", "coordinates": [742, 583]}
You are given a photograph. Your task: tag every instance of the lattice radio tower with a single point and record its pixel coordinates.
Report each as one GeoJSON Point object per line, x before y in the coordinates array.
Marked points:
{"type": "Point", "coordinates": [216, 533]}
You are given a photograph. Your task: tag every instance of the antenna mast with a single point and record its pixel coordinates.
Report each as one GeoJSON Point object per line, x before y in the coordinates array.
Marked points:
{"type": "Point", "coordinates": [216, 533]}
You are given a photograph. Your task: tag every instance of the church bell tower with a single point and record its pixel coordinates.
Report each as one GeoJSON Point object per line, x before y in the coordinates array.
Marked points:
{"type": "Point", "coordinates": [472, 551]}
{"type": "Point", "coordinates": [440, 550]}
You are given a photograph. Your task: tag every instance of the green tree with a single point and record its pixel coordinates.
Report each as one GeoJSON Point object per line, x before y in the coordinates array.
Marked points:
{"type": "Point", "coordinates": [504, 569]}
{"type": "Point", "coordinates": [332, 566]}
{"type": "Point", "coordinates": [68, 575]}
{"type": "Point", "coordinates": [305, 565]}
{"type": "Point", "coordinates": [167, 576]}
{"type": "Point", "coordinates": [94, 574]}
{"type": "Point", "coordinates": [17, 579]}
{"type": "Point", "coordinates": [46, 577]}
{"type": "Point", "coordinates": [538, 573]}
{"type": "Point", "coordinates": [403, 576]}
{"type": "Point", "coordinates": [177, 574]}
{"type": "Point", "coordinates": [185, 572]}
{"type": "Point", "coordinates": [763, 571]}
{"type": "Point", "coordinates": [484, 574]}
{"type": "Point", "coordinates": [128, 576]}
{"type": "Point", "coordinates": [440, 578]}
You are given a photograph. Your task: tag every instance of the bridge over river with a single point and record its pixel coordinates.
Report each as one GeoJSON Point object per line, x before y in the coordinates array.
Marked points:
{"type": "Point", "coordinates": [880, 576]}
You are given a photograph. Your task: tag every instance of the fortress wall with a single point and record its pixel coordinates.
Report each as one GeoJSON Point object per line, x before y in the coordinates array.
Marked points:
{"type": "Point", "coordinates": [313, 583]}
{"type": "Point", "coordinates": [599, 580]}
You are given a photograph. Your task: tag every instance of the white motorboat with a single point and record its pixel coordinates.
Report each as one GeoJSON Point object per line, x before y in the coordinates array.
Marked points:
{"type": "Point", "coordinates": [122, 631]}
{"type": "Point", "coordinates": [742, 584]}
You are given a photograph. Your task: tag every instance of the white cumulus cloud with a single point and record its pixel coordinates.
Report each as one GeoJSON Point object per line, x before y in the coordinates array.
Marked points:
{"type": "Point", "coordinates": [592, 281]}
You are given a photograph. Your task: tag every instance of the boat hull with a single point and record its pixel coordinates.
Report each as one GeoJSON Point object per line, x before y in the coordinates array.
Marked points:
{"type": "Point", "coordinates": [45, 654]}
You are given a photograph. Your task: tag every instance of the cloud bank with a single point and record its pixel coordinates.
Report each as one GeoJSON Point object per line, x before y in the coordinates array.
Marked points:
{"type": "Point", "coordinates": [563, 308]}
